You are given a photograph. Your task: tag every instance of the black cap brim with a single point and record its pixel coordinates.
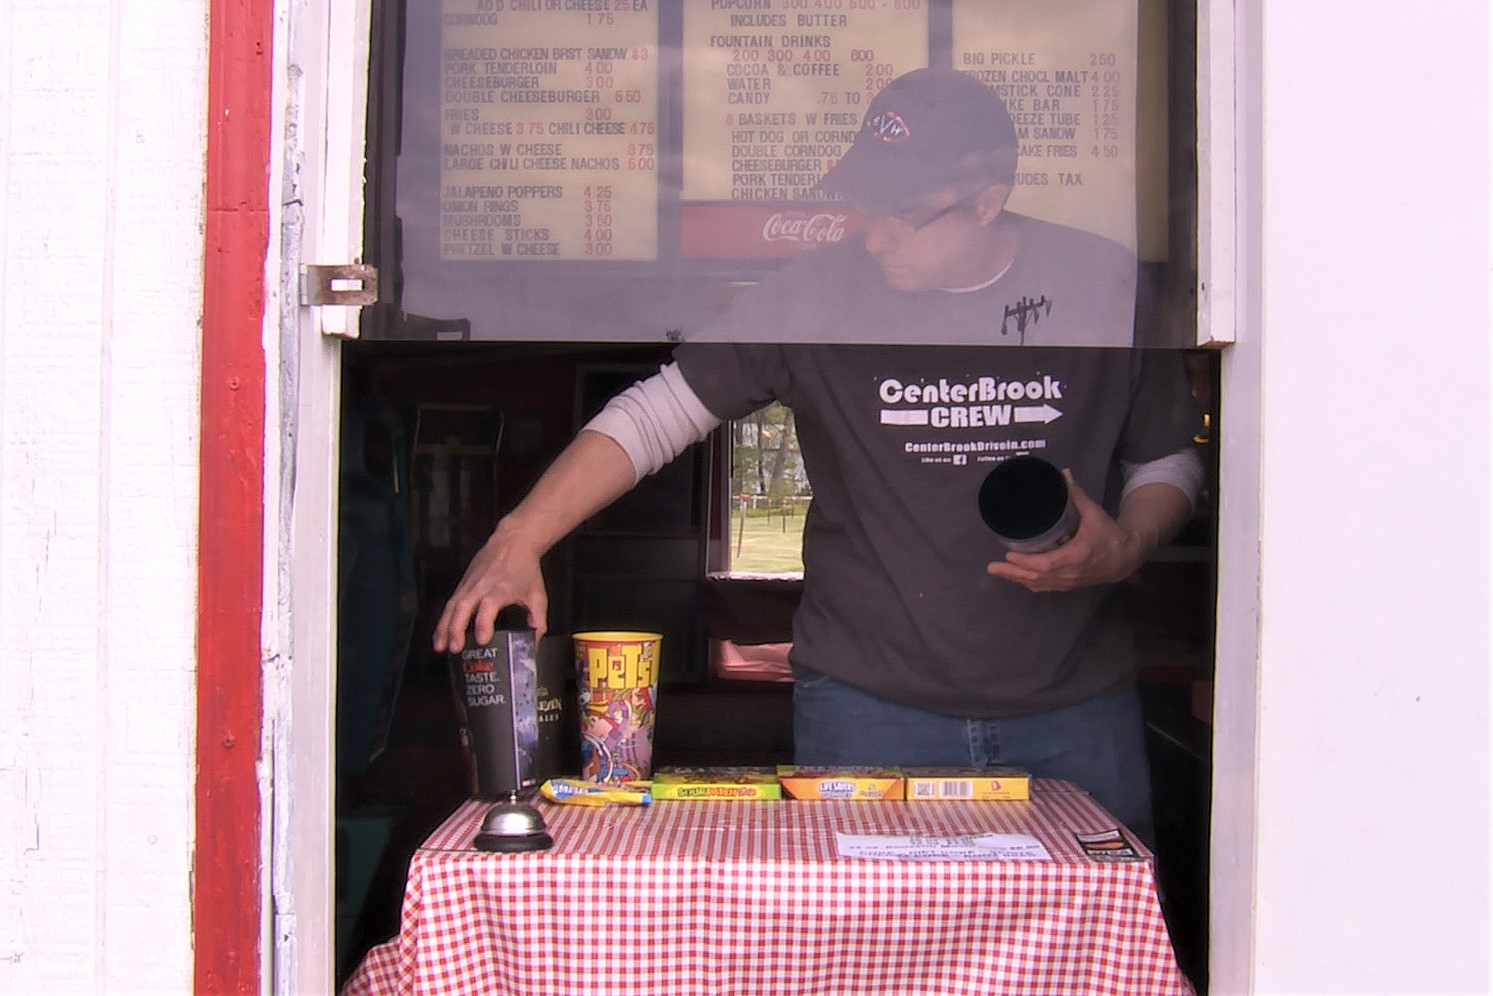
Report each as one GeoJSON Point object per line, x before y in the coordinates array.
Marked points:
{"type": "Point", "coordinates": [882, 177]}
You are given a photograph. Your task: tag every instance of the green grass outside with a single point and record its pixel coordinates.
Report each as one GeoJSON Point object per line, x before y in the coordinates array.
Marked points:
{"type": "Point", "coordinates": [767, 543]}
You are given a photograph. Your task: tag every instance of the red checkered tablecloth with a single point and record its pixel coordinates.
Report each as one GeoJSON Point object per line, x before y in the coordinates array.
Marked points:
{"type": "Point", "coordinates": [752, 899]}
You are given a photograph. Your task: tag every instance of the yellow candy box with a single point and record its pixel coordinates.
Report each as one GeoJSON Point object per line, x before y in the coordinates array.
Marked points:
{"type": "Point", "coordinates": [716, 784]}
{"type": "Point", "coordinates": [960, 784]}
{"type": "Point", "coordinates": [853, 784]}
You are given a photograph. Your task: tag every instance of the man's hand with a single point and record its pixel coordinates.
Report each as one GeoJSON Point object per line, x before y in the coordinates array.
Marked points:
{"type": "Point", "coordinates": [587, 476]}
{"type": "Point", "coordinates": [1103, 550]}
{"type": "Point", "coordinates": [504, 572]}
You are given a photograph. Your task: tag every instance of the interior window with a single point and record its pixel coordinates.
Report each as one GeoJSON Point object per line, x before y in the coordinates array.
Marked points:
{"type": "Point", "coordinates": [769, 496]}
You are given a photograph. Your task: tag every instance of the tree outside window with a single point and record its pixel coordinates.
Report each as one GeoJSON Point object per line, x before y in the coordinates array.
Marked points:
{"type": "Point", "coordinates": [770, 493]}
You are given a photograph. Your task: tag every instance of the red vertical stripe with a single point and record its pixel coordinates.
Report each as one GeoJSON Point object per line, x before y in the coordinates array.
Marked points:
{"type": "Point", "coordinates": [226, 908]}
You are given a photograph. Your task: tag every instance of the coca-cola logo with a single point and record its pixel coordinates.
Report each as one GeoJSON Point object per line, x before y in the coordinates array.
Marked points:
{"type": "Point", "coordinates": [795, 227]}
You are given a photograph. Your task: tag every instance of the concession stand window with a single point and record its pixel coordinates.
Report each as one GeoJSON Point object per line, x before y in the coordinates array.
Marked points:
{"type": "Point", "coordinates": [617, 171]}
{"type": "Point", "coordinates": [560, 190]}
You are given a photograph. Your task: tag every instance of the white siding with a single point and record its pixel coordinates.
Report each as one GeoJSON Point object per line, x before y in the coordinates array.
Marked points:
{"type": "Point", "coordinates": [1365, 374]}
{"type": "Point", "coordinates": [1354, 708]}
{"type": "Point", "coordinates": [102, 109]}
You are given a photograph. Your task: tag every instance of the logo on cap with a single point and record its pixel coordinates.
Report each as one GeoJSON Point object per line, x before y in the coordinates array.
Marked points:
{"type": "Point", "coordinates": [889, 127]}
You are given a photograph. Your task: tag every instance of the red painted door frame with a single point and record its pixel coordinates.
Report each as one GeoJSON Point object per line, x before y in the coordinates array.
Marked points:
{"type": "Point", "coordinates": [226, 906]}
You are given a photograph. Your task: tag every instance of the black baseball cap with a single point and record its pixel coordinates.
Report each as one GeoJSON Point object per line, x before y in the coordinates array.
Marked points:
{"type": "Point", "coordinates": [914, 132]}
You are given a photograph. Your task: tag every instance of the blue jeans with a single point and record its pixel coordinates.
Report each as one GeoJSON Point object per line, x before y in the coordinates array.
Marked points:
{"type": "Point", "coordinates": [1100, 744]}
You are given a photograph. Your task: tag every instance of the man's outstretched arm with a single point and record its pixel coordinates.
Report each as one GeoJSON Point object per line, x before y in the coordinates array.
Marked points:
{"type": "Point", "coordinates": [587, 476]}
{"type": "Point", "coordinates": [638, 432]}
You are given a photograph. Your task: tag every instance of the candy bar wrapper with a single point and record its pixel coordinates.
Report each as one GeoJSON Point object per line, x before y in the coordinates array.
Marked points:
{"type": "Point", "coordinates": [579, 792]}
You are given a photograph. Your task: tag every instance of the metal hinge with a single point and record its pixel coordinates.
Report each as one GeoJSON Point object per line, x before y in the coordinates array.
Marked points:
{"type": "Point", "coordinates": [351, 285]}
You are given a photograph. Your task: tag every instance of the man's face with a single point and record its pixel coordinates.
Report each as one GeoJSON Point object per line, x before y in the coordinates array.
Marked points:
{"type": "Point", "coordinates": [936, 241]}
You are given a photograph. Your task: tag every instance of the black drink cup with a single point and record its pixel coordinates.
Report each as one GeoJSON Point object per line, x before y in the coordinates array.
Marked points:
{"type": "Point", "coordinates": [496, 686]}
{"type": "Point", "coordinates": [1027, 504]}
{"type": "Point", "coordinates": [496, 693]}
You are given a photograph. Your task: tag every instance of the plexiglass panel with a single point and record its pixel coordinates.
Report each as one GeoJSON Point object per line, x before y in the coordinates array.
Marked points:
{"type": "Point", "coordinates": [623, 170]}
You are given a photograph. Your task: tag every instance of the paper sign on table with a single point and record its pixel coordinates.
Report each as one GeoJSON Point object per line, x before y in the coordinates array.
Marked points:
{"type": "Point", "coordinates": [964, 847]}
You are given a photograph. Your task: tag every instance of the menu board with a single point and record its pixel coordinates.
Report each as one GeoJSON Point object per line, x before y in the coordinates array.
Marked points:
{"type": "Point", "coordinates": [617, 170]}
{"type": "Point", "coordinates": [1067, 72]}
{"type": "Point", "coordinates": [782, 85]}
{"type": "Point", "coordinates": [774, 94]}
{"type": "Point", "coordinates": [549, 130]}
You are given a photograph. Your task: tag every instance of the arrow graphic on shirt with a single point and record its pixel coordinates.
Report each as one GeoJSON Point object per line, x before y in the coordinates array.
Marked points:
{"type": "Point", "coordinates": [993, 415]}
{"type": "Point", "coordinates": [1037, 413]}
{"type": "Point", "coordinates": [913, 416]}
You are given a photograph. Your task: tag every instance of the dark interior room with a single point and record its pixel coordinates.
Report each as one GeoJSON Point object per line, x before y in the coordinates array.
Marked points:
{"type": "Point", "coordinates": [448, 421]}
{"type": "Point", "coordinates": [440, 459]}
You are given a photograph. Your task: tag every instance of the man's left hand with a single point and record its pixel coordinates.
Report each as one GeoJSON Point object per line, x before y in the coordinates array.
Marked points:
{"type": "Point", "coordinates": [1100, 552]}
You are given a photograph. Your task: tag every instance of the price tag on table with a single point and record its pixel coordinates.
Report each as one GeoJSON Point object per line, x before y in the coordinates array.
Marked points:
{"type": "Point", "coordinates": [919, 847]}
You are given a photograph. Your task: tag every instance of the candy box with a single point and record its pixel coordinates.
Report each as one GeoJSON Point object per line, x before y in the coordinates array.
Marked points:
{"type": "Point", "coordinates": [857, 784]}
{"type": "Point", "coordinates": [979, 784]}
{"type": "Point", "coordinates": [717, 784]}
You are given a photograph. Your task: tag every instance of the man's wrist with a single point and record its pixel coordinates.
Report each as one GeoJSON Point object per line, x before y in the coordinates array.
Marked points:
{"type": "Point", "coordinates": [1151, 516]}
{"type": "Point", "coordinates": [513, 535]}
{"type": "Point", "coordinates": [1139, 545]}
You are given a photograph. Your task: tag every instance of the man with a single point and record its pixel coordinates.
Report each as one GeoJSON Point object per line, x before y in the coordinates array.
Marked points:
{"type": "Point", "coordinates": [919, 639]}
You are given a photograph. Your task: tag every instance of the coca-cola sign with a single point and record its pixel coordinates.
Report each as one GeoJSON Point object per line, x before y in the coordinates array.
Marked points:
{"type": "Point", "coordinates": [797, 226]}
{"type": "Point", "coordinates": [763, 231]}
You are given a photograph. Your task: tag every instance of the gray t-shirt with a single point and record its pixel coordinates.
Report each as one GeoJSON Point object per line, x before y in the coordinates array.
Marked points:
{"type": "Point", "coordinates": [896, 441]}
{"type": "Point", "coordinates": [1065, 287]}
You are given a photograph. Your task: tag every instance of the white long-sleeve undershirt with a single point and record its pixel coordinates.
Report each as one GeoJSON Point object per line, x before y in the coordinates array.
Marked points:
{"type": "Point", "coordinates": [655, 420]}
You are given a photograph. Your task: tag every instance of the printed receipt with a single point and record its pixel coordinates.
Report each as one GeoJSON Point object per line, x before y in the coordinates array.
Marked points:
{"type": "Point", "coordinates": [919, 847]}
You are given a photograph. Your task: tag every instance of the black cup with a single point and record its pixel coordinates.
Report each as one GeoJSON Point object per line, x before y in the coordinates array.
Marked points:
{"type": "Point", "coordinates": [496, 687]}
{"type": "Point", "coordinates": [1026, 502]}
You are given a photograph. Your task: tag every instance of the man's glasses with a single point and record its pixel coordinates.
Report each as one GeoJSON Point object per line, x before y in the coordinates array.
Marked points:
{"type": "Point", "coordinates": [901, 226]}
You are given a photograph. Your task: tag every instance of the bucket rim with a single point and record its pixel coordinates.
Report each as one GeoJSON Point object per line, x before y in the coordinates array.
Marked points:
{"type": "Point", "coordinates": [617, 636]}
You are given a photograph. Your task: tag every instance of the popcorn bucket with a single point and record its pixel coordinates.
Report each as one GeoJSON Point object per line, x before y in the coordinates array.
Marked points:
{"type": "Point", "coordinates": [617, 677]}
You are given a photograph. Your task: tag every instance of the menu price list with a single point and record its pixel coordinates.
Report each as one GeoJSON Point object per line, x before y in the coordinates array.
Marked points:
{"type": "Point", "coordinates": [1066, 71]}
{"type": "Point", "coordinates": [549, 130]}
{"type": "Point", "coordinates": [781, 85]}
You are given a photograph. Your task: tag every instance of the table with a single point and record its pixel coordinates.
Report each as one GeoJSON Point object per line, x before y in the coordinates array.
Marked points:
{"type": "Point", "coordinates": [744, 898]}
